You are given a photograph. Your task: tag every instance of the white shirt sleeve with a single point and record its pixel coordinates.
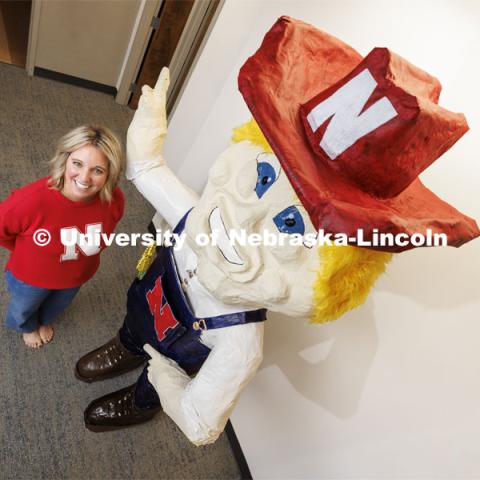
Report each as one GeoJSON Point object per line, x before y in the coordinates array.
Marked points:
{"type": "Point", "coordinates": [165, 192]}
{"type": "Point", "coordinates": [201, 406]}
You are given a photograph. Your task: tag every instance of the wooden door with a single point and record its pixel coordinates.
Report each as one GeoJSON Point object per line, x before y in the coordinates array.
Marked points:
{"type": "Point", "coordinates": [172, 19]}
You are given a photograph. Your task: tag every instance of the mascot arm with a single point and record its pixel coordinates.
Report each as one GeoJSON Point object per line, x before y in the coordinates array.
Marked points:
{"type": "Point", "coordinates": [201, 406]}
{"type": "Point", "coordinates": [166, 193]}
{"type": "Point", "coordinates": [145, 164]}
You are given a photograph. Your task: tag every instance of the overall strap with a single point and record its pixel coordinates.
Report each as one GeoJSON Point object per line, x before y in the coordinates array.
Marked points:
{"type": "Point", "coordinates": [181, 224]}
{"type": "Point", "coordinates": [230, 320]}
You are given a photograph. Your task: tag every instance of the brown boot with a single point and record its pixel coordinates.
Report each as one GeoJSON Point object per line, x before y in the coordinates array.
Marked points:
{"type": "Point", "coordinates": [108, 361]}
{"type": "Point", "coordinates": [116, 410]}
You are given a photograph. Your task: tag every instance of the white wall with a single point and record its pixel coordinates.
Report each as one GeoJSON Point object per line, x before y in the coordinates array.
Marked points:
{"type": "Point", "coordinates": [392, 390]}
{"type": "Point", "coordinates": [85, 39]}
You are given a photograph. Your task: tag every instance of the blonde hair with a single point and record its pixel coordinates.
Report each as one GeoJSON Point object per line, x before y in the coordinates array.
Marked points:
{"type": "Point", "coordinates": [101, 138]}
{"type": "Point", "coordinates": [346, 273]}
{"type": "Point", "coordinates": [251, 132]}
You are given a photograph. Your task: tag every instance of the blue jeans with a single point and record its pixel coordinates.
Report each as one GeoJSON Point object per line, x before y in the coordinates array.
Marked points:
{"type": "Point", "coordinates": [31, 306]}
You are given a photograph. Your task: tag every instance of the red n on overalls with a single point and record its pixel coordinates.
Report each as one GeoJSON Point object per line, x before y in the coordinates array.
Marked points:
{"type": "Point", "coordinates": [161, 311]}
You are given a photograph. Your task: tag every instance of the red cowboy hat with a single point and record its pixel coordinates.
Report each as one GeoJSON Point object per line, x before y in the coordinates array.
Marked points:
{"type": "Point", "coordinates": [353, 134]}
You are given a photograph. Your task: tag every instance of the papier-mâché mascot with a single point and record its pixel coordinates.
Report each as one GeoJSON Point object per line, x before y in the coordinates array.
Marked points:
{"type": "Point", "coordinates": [337, 143]}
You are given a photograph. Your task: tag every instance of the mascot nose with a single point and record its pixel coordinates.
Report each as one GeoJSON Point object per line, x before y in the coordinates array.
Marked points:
{"type": "Point", "coordinates": [248, 216]}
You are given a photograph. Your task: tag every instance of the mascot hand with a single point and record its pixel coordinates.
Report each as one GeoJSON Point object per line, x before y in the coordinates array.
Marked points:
{"type": "Point", "coordinates": [171, 383]}
{"type": "Point", "coordinates": [148, 129]}
{"type": "Point", "coordinates": [168, 379]}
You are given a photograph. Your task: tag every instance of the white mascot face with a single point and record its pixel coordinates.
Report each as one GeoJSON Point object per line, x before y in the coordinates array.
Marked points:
{"type": "Point", "coordinates": [248, 192]}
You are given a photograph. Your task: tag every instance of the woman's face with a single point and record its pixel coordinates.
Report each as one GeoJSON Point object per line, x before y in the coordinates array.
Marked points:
{"type": "Point", "coordinates": [86, 172]}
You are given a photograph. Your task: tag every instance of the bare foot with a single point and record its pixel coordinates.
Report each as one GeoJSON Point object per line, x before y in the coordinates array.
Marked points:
{"type": "Point", "coordinates": [46, 333]}
{"type": "Point", "coordinates": [32, 339]}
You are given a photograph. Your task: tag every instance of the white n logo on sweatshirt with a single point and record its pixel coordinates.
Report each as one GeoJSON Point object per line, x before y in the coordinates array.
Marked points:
{"type": "Point", "coordinates": [73, 240]}
{"type": "Point", "coordinates": [348, 122]}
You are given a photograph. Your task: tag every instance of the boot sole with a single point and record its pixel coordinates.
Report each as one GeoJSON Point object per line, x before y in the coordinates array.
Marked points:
{"type": "Point", "coordinates": [108, 428]}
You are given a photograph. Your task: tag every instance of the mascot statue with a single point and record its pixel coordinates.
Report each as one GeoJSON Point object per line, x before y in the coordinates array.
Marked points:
{"type": "Point", "coordinates": [335, 145]}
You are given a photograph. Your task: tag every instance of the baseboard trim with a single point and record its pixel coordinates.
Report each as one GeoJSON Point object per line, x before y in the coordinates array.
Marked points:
{"type": "Point", "coordinates": [78, 82]}
{"type": "Point", "coordinates": [237, 452]}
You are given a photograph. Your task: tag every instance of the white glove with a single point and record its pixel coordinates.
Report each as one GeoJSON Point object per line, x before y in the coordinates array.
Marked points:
{"type": "Point", "coordinates": [201, 406]}
{"type": "Point", "coordinates": [170, 382]}
{"type": "Point", "coordinates": [146, 134]}
{"type": "Point", "coordinates": [145, 164]}
{"type": "Point", "coordinates": [165, 375]}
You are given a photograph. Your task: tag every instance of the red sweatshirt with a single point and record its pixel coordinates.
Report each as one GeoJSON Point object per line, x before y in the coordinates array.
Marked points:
{"type": "Point", "coordinates": [36, 206]}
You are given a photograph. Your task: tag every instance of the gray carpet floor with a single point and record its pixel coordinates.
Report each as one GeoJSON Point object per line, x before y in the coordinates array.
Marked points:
{"type": "Point", "coordinates": [42, 435]}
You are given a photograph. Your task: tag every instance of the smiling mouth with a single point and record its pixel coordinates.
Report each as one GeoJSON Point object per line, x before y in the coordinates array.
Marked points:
{"type": "Point", "coordinates": [81, 185]}
{"type": "Point", "coordinates": [223, 243]}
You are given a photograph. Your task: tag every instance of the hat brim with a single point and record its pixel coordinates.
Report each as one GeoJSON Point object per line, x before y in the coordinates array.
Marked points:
{"type": "Point", "coordinates": [294, 63]}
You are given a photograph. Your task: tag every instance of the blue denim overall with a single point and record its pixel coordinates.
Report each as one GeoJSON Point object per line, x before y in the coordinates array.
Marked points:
{"type": "Point", "coordinates": [158, 313]}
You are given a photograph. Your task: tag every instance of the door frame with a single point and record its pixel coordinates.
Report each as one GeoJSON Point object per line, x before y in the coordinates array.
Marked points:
{"type": "Point", "coordinates": [33, 36]}
{"type": "Point", "coordinates": [199, 25]}
{"type": "Point", "coordinates": [136, 49]}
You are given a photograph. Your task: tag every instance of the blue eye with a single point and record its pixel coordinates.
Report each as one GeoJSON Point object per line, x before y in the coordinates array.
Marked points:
{"type": "Point", "coordinates": [266, 175]}
{"type": "Point", "coordinates": [290, 221]}
{"type": "Point", "coordinates": [268, 170]}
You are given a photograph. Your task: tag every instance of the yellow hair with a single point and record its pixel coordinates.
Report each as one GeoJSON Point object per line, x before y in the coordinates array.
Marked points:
{"type": "Point", "coordinates": [344, 280]}
{"type": "Point", "coordinates": [251, 131]}
{"type": "Point", "coordinates": [346, 273]}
